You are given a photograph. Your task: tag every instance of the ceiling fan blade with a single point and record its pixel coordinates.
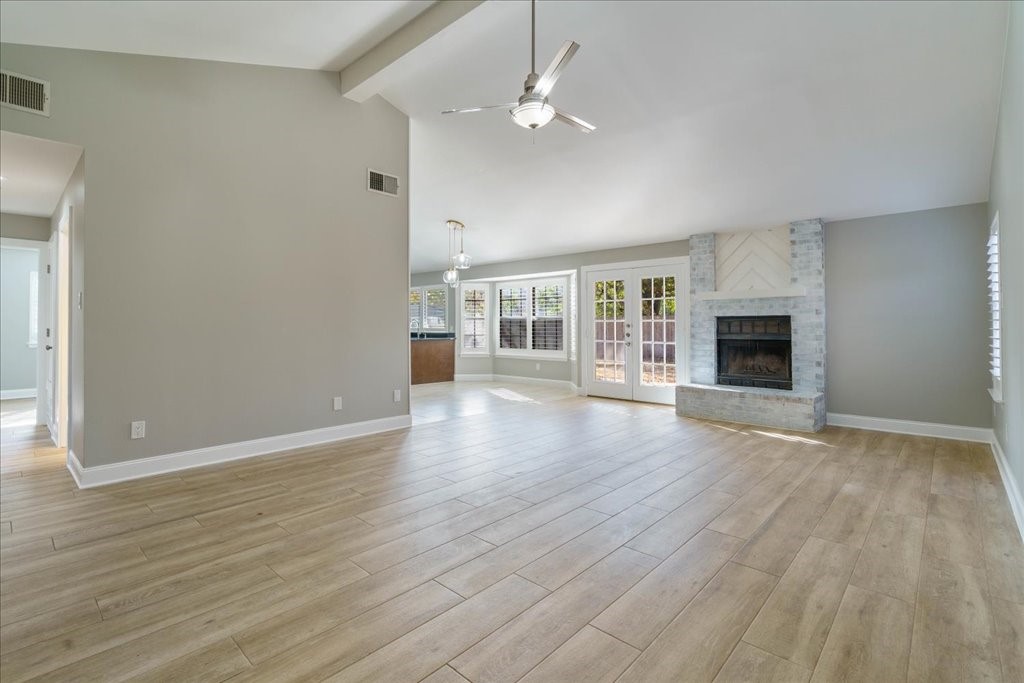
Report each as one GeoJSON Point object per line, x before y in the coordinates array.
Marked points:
{"type": "Point", "coordinates": [555, 69]}
{"type": "Point", "coordinates": [469, 110]}
{"type": "Point", "coordinates": [574, 121]}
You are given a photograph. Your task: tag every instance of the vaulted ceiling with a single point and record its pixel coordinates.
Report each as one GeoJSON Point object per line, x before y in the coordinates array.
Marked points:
{"type": "Point", "coordinates": [711, 116]}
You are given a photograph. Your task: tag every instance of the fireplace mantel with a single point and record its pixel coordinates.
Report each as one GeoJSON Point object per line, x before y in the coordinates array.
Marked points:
{"type": "Point", "coordinates": [750, 294]}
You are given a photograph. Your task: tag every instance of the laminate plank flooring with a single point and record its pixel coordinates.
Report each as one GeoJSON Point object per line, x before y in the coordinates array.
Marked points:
{"type": "Point", "coordinates": [518, 532]}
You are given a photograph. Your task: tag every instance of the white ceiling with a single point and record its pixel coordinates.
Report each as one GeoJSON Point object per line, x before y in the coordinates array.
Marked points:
{"type": "Point", "coordinates": [304, 35]}
{"type": "Point", "coordinates": [711, 117]}
{"type": "Point", "coordinates": [35, 173]}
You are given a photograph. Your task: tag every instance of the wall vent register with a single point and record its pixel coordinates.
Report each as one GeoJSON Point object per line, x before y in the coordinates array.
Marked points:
{"type": "Point", "coordinates": [24, 93]}
{"type": "Point", "coordinates": [381, 183]}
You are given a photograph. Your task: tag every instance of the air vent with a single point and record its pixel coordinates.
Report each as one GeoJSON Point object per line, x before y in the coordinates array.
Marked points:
{"type": "Point", "coordinates": [25, 93]}
{"type": "Point", "coordinates": [381, 182]}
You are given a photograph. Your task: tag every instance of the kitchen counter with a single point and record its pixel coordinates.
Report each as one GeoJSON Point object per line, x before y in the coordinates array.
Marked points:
{"type": "Point", "coordinates": [432, 359]}
{"type": "Point", "coordinates": [431, 336]}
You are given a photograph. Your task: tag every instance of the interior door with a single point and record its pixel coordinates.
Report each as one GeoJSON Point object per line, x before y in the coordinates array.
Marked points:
{"type": "Point", "coordinates": [636, 332]}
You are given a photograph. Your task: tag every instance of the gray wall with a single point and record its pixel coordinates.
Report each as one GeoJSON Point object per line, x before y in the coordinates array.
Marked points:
{"type": "Point", "coordinates": [906, 314]}
{"type": "Point", "coordinates": [559, 370]}
{"type": "Point", "coordinates": [228, 293]}
{"type": "Point", "coordinates": [1008, 199]}
{"type": "Point", "coordinates": [17, 359]}
{"type": "Point", "coordinates": [24, 227]}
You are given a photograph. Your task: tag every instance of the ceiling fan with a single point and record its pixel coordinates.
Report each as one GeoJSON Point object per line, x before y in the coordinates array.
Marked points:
{"type": "Point", "coordinates": [532, 109]}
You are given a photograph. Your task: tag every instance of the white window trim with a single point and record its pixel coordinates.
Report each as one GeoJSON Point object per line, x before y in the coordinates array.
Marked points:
{"type": "Point", "coordinates": [995, 312]}
{"type": "Point", "coordinates": [460, 330]}
{"type": "Point", "coordinates": [530, 354]}
{"type": "Point", "coordinates": [423, 308]}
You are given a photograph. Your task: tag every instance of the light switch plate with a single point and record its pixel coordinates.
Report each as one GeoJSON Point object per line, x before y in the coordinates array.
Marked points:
{"type": "Point", "coordinates": [397, 395]}
{"type": "Point", "coordinates": [337, 402]}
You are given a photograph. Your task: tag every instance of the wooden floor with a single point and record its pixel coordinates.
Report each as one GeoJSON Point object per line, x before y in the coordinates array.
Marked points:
{"type": "Point", "coordinates": [544, 540]}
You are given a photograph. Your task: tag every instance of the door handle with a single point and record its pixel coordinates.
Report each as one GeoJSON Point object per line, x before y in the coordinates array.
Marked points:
{"type": "Point", "coordinates": [49, 348]}
{"type": "Point", "coordinates": [629, 343]}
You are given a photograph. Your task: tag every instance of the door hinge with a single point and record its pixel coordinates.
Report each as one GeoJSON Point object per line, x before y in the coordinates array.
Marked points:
{"type": "Point", "coordinates": [47, 332]}
{"type": "Point", "coordinates": [47, 268]}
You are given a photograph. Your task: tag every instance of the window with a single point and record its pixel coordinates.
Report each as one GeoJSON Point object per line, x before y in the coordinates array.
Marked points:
{"type": "Point", "coordinates": [33, 309]}
{"type": "Point", "coordinates": [474, 319]}
{"type": "Point", "coordinates": [512, 323]}
{"type": "Point", "coordinates": [531, 318]}
{"type": "Point", "coordinates": [428, 309]}
{"type": "Point", "coordinates": [995, 336]}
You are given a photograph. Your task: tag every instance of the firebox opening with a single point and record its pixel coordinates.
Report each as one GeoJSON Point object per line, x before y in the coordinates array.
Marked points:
{"type": "Point", "coordinates": [755, 351]}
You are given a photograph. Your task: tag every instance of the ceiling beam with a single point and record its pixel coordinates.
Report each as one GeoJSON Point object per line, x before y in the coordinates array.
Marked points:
{"type": "Point", "coordinates": [364, 78]}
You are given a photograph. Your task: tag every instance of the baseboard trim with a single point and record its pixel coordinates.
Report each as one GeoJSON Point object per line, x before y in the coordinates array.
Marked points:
{"type": "Point", "coordinates": [883, 424]}
{"type": "Point", "coordinates": [518, 378]}
{"type": "Point", "coordinates": [101, 475]}
{"type": "Point", "coordinates": [565, 384]}
{"type": "Point", "coordinates": [10, 394]}
{"type": "Point", "coordinates": [1010, 484]}
{"type": "Point", "coordinates": [75, 468]}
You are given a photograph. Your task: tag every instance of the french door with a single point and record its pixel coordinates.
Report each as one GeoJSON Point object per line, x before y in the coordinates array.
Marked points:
{"type": "Point", "coordinates": [636, 333]}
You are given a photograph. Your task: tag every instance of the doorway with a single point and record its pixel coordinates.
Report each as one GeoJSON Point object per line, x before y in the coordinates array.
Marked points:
{"type": "Point", "coordinates": [21, 261]}
{"type": "Point", "coordinates": [43, 191]}
{"type": "Point", "coordinates": [636, 329]}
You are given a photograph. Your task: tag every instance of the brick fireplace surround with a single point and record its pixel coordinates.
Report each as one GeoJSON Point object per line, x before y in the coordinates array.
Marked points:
{"type": "Point", "coordinates": [803, 407]}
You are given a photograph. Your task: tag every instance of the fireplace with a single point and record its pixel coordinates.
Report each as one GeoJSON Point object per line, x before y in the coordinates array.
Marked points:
{"type": "Point", "coordinates": [755, 351]}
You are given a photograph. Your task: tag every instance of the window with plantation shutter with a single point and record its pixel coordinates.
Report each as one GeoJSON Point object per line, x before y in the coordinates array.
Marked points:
{"type": "Point", "coordinates": [514, 307]}
{"type": "Point", "coordinates": [548, 318]}
{"type": "Point", "coordinates": [474, 319]}
{"type": "Point", "coordinates": [415, 309]}
{"type": "Point", "coordinates": [428, 309]}
{"type": "Point", "coordinates": [994, 299]}
{"type": "Point", "coordinates": [531, 318]}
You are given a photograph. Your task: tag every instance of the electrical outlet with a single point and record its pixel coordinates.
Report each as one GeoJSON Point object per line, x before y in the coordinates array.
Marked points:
{"type": "Point", "coordinates": [139, 429]}
{"type": "Point", "coordinates": [397, 395]}
{"type": "Point", "coordinates": [337, 402]}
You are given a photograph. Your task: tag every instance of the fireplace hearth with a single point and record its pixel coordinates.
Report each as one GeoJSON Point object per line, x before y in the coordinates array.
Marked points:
{"type": "Point", "coordinates": [755, 351]}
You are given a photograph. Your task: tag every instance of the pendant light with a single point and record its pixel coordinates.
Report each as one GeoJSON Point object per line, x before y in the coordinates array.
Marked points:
{"type": "Point", "coordinates": [456, 262]}
{"type": "Point", "coordinates": [462, 259]}
{"type": "Point", "coordinates": [451, 276]}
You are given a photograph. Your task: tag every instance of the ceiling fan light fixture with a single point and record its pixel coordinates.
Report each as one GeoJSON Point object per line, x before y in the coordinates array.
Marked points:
{"type": "Point", "coordinates": [533, 114]}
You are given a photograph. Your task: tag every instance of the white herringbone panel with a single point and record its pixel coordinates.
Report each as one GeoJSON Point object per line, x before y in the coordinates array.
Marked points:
{"type": "Point", "coordinates": [758, 259]}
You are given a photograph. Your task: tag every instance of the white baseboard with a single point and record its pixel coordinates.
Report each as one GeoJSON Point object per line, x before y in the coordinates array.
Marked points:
{"type": "Point", "coordinates": [517, 378]}
{"type": "Point", "coordinates": [8, 394]}
{"type": "Point", "coordinates": [565, 384]}
{"type": "Point", "coordinates": [883, 424]}
{"type": "Point", "coordinates": [1013, 492]}
{"type": "Point", "coordinates": [75, 468]}
{"type": "Point", "coordinates": [100, 475]}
